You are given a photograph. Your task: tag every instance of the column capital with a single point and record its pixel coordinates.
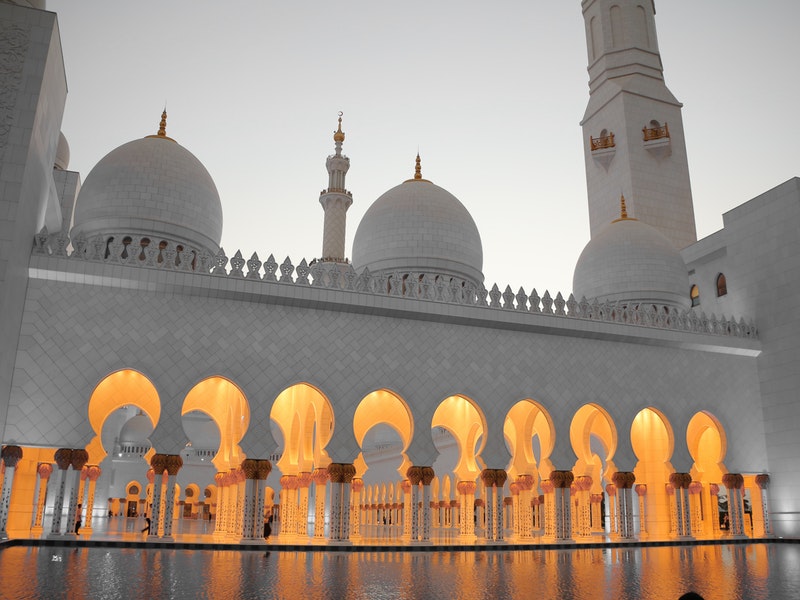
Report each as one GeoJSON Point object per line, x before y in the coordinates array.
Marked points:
{"type": "Point", "coordinates": [79, 458]}
{"type": "Point", "coordinates": [466, 487]}
{"type": "Point", "coordinates": [45, 470]}
{"type": "Point", "coordinates": [93, 472]}
{"type": "Point", "coordinates": [641, 489]}
{"type": "Point", "coordinates": [63, 458]}
{"type": "Point", "coordinates": [11, 455]}
{"type": "Point", "coordinates": [623, 479]}
{"type": "Point", "coordinates": [562, 479]}
{"type": "Point", "coordinates": [173, 464]}
{"type": "Point", "coordinates": [762, 481]}
{"type": "Point", "coordinates": [733, 481]}
{"type": "Point", "coordinates": [680, 480]}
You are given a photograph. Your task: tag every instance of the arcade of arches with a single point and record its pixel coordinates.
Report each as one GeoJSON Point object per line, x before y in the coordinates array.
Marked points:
{"type": "Point", "coordinates": [383, 494]}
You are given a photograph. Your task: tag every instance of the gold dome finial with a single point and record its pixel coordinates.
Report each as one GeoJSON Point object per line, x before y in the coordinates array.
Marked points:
{"type": "Point", "coordinates": [418, 171]}
{"type": "Point", "coordinates": [623, 211]}
{"type": "Point", "coordinates": [162, 127]}
{"type": "Point", "coordinates": [338, 135]}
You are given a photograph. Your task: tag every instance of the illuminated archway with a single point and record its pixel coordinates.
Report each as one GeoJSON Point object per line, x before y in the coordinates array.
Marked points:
{"type": "Point", "coordinates": [121, 389]}
{"type": "Point", "coordinates": [305, 419]}
{"type": "Point", "coordinates": [707, 444]}
{"type": "Point", "coordinates": [531, 436]}
{"type": "Point", "coordinates": [653, 442]}
{"type": "Point", "coordinates": [227, 406]}
{"type": "Point", "coordinates": [383, 407]}
{"type": "Point", "coordinates": [593, 436]}
{"type": "Point", "coordinates": [466, 423]}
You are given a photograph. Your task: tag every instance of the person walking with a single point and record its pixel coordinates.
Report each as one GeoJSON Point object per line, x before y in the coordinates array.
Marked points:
{"type": "Point", "coordinates": [146, 529]}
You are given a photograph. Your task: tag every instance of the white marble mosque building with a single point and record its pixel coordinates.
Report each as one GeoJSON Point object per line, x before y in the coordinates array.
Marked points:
{"type": "Point", "coordinates": [139, 362]}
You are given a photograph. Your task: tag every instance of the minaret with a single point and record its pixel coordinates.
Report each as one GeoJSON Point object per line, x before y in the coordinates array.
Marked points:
{"type": "Point", "coordinates": [632, 128]}
{"type": "Point", "coordinates": [335, 201]}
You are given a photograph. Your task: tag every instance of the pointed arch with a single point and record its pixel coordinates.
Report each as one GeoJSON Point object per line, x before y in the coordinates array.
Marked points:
{"type": "Point", "coordinates": [126, 387]}
{"type": "Point", "coordinates": [529, 428]}
{"type": "Point", "coordinates": [464, 420]}
{"type": "Point", "coordinates": [384, 407]}
{"type": "Point", "coordinates": [305, 418]}
{"type": "Point", "coordinates": [593, 436]}
{"type": "Point", "coordinates": [225, 403]}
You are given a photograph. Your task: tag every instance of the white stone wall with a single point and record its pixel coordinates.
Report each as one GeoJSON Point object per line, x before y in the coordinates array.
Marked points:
{"type": "Point", "coordinates": [179, 328]}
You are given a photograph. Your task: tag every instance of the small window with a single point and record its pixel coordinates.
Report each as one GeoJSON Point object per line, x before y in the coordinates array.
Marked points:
{"type": "Point", "coordinates": [694, 294]}
{"type": "Point", "coordinates": [722, 285]}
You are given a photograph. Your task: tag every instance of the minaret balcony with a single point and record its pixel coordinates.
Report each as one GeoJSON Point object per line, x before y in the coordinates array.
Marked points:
{"type": "Point", "coordinates": [603, 149]}
{"type": "Point", "coordinates": [657, 140]}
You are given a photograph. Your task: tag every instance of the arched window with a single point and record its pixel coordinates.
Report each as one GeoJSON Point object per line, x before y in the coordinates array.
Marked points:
{"type": "Point", "coordinates": [722, 285]}
{"type": "Point", "coordinates": [694, 294]}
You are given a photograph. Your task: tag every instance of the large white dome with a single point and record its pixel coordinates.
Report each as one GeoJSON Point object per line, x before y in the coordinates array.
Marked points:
{"type": "Point", "coordinates": [631, 262]}
{"type": "Point", "coordinates": [419, 227]}
{"type": "Point", "coordinates": [151, 187]}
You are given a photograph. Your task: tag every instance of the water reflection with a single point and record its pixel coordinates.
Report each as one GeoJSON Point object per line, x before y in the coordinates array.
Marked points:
{"type": "Point", "coordinates": [755, 571]}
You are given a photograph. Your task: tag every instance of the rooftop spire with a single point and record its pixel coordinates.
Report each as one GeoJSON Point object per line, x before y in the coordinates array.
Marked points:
{"type": "Point", "coordinates": [418, 168]}
{"type": "Point", "coordinates": [162, 128]}
{"type": "Point", "coordinates": [338, 136]}
{"type": "Point", "coordinates": [623, 211]}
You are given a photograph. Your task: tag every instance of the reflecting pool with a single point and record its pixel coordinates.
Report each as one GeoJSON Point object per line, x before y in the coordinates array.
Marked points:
{"type": "Point", "coordinates": [757, 571]}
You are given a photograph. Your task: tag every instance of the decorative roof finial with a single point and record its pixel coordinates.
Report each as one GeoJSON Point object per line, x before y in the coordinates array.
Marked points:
{"type": "Point", "coordinates": [623, 212]}
{"type": "Point", "coordinates": [418, 168]}
{"type": "Point", "coordinates": [162, 127]}
{"type": "Point", "coordinates": [338, 135]}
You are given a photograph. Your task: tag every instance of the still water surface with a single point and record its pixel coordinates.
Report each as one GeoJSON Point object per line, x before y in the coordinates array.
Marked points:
{"type": "Point", "coordinates": [757, 571]}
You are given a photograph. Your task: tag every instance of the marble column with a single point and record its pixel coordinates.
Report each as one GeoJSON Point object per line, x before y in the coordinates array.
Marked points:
{"type": "Point", "coordinates": [428, 475]}
{"type": "Point", "coordinates": [158, 462]}
{"type": "Point", "coordinates": [525, 507]}
{"type": "Point", "coordinates": [414, 475]}
{"type": "Point", "coordinates": [713, 490]}
{"type": "Point", "coordinates": [252, 512]}
{"type": "Point", "coordinates": [320, 478]}
{"type": "Point", "coordinates": [623, 481]}
{"type": "Point", "coordinates": [44, 470]}
{"type": "Point", "coordinates": [303, 485]}
{"type": "Point", "coordinates": [10, 456]}
{"type": "Point", "coordinates": [735, 484]}
{"type": "Point", "coordinates": [695, 499]}
{"type": "Point", "coordinates": [513, 487]}
{"type": "Point", "coordinates": [79, 459]}
{"type": "Point", "coordinates": [562, 482]}
{"type": "Point", "coordinates": [341, 475]}
{"type": "Point", "coordinates": [358, 488]}
{"type": "Point", "coordinates": [584, 505]}
{"type": "Point", "coordinates": [641, 492]}
{"type": "Point", "coordinates": [92, 474]}
{"type": "Point", "coordinates": [613, 525]}
{"type": "Point", "coordinates": [289, 511]}
{"type": "Point", "coordinates": [763, 525]}
{"type": "Point", "coordinates": [683, 516]}
{"type": "Point", "coordinates": [466, 496]}
{"type": "Point", "coordinates": [263, 469]}
{"type": "Point", "coordinates": [219, 516]}
{"type": "Point", "coordinates": [63, 458]}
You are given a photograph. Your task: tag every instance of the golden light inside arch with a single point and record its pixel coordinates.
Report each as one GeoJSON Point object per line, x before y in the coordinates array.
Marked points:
{"type": "Point", "coordinates": [227, 406]}
{"type": "Point", "coordinates": [119, 389]}
{"type": "Point", "coordinates": [526, 420]}
{"type": "Point", "coordinates": [305, 417]}
{"type": "Point", "coordinates": [593, 420]}
{"type": "Point", "coordinates": [707, 443]}
{"type": "Point", "coordinates": [383, 406]}
{"type": "Point", "coordinates": [651, 436]}
{"type": "Point", "coordinates": [466, 423]}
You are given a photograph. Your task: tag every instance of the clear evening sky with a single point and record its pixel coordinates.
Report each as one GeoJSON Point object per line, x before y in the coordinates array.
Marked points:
{"type": "Point", "coordinates": [491, 93]}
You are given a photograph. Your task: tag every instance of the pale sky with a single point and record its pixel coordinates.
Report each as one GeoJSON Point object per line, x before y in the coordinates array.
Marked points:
{"type": "Point", "coordinates": [490, 93]}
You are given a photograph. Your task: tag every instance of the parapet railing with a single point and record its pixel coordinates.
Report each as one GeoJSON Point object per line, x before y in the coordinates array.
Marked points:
{"type": "Point", "coordinates": [419, 286]}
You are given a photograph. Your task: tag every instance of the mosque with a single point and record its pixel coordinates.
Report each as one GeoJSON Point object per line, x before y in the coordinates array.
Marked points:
{"type": "Point", "coordinates": [391, 393]}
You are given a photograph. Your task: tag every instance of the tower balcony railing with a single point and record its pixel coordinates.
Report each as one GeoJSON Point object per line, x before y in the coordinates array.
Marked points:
{"type": "Point", "coordinates": [606, 141]}
{"type": "Point", "coordinates": [655, 133]}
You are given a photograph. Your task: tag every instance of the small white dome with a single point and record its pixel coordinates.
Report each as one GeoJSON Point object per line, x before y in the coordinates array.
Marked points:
{"type": "Point", "coordinates": [419, 227]}
{"type": "Point", "coordinates": [631, 262]}
{"type": "Point", "coordinates": [136, 429]}
{"type": "Point", "coordinates": [152, 187]}
{"type": "Point", "coordinates": [62, 153]}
